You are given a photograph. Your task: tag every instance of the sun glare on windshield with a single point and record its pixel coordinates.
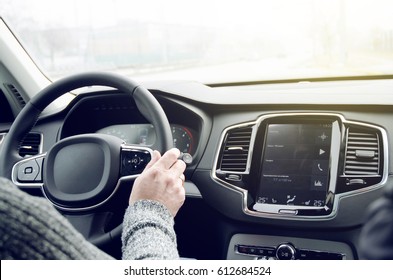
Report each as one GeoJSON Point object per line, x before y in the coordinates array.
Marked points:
{"type": "Point", "coordinates": [212, 41]}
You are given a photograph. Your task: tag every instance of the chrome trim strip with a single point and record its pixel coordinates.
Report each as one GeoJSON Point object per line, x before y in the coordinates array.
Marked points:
{"type": "Point", "coordinates": [338, 197]}
{"type": "Point", "coordinates": [41, 147]}
{"type": "Point", "coordinates": [2, 136]}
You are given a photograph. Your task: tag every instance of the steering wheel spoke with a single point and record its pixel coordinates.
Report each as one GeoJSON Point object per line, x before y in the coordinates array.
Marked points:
{"type": "Point", "coordinates": [28, 171]}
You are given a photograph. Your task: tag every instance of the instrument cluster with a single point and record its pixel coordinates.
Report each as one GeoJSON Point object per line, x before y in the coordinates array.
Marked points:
{"type": "Point", "coordinates": [144, 134]}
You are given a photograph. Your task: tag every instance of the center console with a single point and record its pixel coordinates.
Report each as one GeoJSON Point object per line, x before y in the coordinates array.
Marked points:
{"type": "Point", "coordinates": [298, 166]}
{"type": "Point", "coordinates": [266, 247]}
{"type": "Point", "coordinates": [298, 169]}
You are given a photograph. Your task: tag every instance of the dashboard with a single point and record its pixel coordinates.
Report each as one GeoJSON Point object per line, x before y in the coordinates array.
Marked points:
{"type": "Point", "coordinates": [269, 179]}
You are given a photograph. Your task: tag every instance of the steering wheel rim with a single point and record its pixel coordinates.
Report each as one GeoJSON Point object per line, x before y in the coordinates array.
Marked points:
{"type": "Point", "coordinates": [27, 118]}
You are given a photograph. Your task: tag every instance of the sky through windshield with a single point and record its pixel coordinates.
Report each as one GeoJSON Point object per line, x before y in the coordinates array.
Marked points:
{"type": "Point", "coordinates": [210, 41]}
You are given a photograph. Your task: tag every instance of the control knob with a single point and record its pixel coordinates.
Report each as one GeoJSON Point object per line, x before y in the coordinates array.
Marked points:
{"type": "Point", "coordinates": [286, 252]}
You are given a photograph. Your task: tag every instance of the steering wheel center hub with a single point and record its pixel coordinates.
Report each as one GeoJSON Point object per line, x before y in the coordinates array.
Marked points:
{"type": "Point", "coordinates": [82, 171]}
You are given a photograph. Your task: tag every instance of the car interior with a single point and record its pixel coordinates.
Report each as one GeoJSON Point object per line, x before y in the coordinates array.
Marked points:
{"type": "Point", "coordinates": [276, 169]}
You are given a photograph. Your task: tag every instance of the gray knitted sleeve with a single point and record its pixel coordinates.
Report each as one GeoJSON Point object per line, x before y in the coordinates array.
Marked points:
{"type": "Point", "coordinates": [148, 232]}
{"type": "Point", "coordinates": [30, 228]}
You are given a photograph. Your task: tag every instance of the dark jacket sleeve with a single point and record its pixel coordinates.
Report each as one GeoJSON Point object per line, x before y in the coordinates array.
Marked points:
{"type": "Point", "coordinates": [376, 239]}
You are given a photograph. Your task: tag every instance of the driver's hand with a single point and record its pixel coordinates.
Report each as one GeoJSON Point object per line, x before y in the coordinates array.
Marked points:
{"type": "Point", "coordinates": [162, 181]}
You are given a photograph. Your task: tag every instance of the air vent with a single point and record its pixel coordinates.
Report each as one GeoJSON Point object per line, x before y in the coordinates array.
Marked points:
{"type": "Point", "coordinates": [30, 146]}
{"type": "Point", "coordinates": [15, 92]}
{"type": "Point", "coordinates": [363, 153]}
{"type": "Point", "coordinates": [235, 153]}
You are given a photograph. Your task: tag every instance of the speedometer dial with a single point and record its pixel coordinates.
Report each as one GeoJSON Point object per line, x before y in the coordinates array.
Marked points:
{"type": "Point", "coordinates": [182, 139]}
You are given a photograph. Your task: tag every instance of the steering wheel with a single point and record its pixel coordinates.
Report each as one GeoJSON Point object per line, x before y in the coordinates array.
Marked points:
{"type": "Point", "coordinates": [81, 173]}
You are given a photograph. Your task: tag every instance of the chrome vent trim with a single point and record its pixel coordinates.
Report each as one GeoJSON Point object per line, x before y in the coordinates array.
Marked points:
{"type": "Point", "coordinates": [362, 156]}
{"type": "Point", "coordinates": [31, 145]}
{"type": "Point", "coordinates": [15, 92]}
{"type": "Point", "coordinates": [236, 148]}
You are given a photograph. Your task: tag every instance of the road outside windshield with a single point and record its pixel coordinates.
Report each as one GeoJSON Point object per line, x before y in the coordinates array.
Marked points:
{"type": "Point", "coordinates": [212, 41]}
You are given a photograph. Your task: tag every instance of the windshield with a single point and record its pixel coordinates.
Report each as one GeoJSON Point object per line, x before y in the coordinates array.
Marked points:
{"type": "Point", "coordinates": [212, 41]}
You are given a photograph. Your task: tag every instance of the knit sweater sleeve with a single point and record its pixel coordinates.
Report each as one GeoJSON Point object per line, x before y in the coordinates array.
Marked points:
{"type": "Point", "coordinates": [148, 232]}
{"type": "Point", "coordinates": [31, 228]}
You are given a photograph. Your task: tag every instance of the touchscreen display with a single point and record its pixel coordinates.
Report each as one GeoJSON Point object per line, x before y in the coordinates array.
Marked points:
{"type": "Point", "coordinates": [295, 165]}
